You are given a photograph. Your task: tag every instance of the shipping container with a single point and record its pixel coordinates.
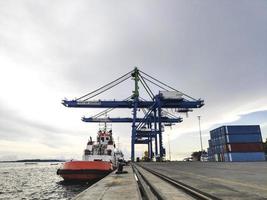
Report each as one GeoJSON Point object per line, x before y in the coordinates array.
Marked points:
{"type": "Point", "coordinates": [210, 144]}
{"type": "Point", "coordinates": [217, 157]}
{"type": "Point", "coordinates": [251, 129]}
{"type": "Point", "coordinates": [226, 157]}
{"type": "Point", "coordinates": [244, 147]}
{"type": "Point", "coordinates": [227, 142]}
{"type": "Point", "coordinates": [246, 157]}
{"type": "Point", "coordinates": [247, 138]}
{"type": "Point", "coordinates": [236, 129]}
{"type": "Point", "coordinates": [218, 132]}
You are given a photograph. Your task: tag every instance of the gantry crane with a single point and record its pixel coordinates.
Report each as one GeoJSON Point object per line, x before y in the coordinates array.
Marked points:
{"type": "Point", "coordinates": [150, 126]}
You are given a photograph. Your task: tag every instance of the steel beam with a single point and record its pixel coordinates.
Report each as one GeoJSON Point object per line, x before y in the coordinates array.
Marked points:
{"type": "Point", "coordinates": [130, 104]}
{"type": "Point", "coordinates": [129, 120]}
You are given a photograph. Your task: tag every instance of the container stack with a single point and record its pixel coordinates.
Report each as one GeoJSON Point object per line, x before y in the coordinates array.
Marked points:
{"type": "Point", "coordinates": [236, 143]}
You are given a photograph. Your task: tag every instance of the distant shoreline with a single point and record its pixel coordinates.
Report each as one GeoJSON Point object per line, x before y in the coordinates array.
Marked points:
{"type": "Point", "coordinates": [33, 160]}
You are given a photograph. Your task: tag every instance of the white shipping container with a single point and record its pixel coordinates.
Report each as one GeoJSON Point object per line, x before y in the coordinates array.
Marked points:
{"type": "Point", "coordinates": [171, 95]}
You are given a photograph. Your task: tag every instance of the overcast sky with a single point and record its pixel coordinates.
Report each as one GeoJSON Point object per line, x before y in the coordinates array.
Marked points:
{"type": "Point", "coordinates": [49, 50]}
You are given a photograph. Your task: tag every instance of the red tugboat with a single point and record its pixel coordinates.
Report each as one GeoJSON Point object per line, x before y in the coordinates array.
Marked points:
{"type": "Point", "coordinates": [99, 159]}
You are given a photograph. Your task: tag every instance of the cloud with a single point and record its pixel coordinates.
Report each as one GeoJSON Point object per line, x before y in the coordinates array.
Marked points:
{"type": "Point", "coordinates": [50, 50]}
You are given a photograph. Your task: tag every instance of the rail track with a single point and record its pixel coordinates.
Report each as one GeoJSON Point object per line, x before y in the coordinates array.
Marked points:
{"type": "Point", "coordinates": [154, 185]}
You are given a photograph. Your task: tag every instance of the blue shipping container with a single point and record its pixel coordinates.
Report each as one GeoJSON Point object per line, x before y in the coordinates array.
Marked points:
{"type": "Point", "coordinates": [235, 129]}
{"type": "Point", "coordinates": [247, 138]}
{"type": "Point", "coordinates": [243, 157]}
{"type": "Point", "coordinates": [226, 157]}
{"type": "Point", "coordinates": [210, 143]}
{"type": "Point", "coordinates": [252, 129]}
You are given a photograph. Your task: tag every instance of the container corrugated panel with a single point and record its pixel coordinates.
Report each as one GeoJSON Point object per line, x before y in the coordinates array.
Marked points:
{"type": "Point", "coordinates": [248, 156]}
{"type": "Point", "coordinates": [221, 157]}
{"type": "Point", "coordinates": [247, 147]}
{"type": "Point", "coordinates": [235, 129]}
{"type": "Point", "coordinates": [222, 130]}
{"type": "Point", "coordinates": [222, 140]}
{"type": "Point", "coordinates": [246, 138]}
{"type": "Point", "coordinates": [210, 151]}
{"type": "Point", "coordinates": [222, 149]}
{"type": "Point", "coordinates": [216, 149]}
{"type": "Point", "coordinates": [217, 132]}
{"type": "Point", "coordinates": [211, 135]}
{"type": "Point", "coordinates": [251, 129]}
{"type": "Point", "coordinates": [219, 149]}
{"type": "Point", "coordinates": [211, 158]}
{"type": "Point", "coordinates": [226, 159]}
{"type": "Point", "coordinates": [217, 157]}
{"type": "Point", "coordinates": [213, 150]}
{"type": "Point", "coordinates": [210, 143]}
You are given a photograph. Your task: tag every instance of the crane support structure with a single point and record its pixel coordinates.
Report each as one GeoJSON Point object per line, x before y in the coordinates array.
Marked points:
{"type": "Point", "coordinates": [130, 120]}
{"type": "Point", "coordinates": [148, 128]}
{"type": "Point", "coordinates": [130, 104]}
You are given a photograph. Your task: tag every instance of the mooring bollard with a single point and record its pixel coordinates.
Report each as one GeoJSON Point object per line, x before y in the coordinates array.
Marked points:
{"type": "Point", "coordinates": [120, 167]}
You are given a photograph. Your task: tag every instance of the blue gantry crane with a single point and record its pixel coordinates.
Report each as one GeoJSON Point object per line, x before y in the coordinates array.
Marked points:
{"type": "Point", "coordinates": [150, 126]}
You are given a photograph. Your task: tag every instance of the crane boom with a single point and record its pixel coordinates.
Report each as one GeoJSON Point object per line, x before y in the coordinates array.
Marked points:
{"type": "Point", "coordinates": [129, 104]}
{"type": "Point", "coordinates": [130, 120]}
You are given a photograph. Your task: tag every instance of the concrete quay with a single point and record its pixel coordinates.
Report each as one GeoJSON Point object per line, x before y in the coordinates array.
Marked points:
{"type": "Point", "coordinates": [113, 186]}
{"type": "Point", "coordinates": [221, 180]}
{"type": "Point", "coordinates": [243, 180]}
{"type": "Point", "coordinates": [163, 189]}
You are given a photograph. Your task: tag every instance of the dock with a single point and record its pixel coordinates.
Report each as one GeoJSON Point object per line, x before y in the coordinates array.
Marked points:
{"type": "Point", "coordinates": [183, 180]}
{"type": "Point", "coordinates": [113, 186]}
{"type": "Point", "coordinates": [225, 180]}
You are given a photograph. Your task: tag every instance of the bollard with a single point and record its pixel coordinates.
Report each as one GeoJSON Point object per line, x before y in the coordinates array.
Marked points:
{"type": "Point", "coordinates": [120, 167]}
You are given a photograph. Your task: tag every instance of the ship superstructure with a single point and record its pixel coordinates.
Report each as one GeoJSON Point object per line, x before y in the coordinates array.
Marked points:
{"type": "Point", "coordinates": [99, 159]}
{"type": "Point", "coordinates": [103, 149]}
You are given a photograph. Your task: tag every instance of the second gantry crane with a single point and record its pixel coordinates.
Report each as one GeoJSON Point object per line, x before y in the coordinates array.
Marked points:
{"type": "Point", "coordinates": [148, 128]}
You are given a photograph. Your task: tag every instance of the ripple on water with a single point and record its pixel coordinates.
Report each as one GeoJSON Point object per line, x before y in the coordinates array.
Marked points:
{"type": "Point", "coordinates": [19, 181]}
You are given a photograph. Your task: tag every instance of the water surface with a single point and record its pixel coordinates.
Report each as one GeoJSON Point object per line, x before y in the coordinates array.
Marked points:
{"type": "Point", "coordinates": [37, 181]}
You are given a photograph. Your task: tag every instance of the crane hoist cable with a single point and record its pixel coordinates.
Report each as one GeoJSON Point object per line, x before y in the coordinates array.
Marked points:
{"type": "Point", "coordinates": [155, 84]}
{"type": "Point", "coordinates": [145, 117]}
{"type": "Point", "coordinates": [143, 99]}
{"type": "Point", "coordinates": [148, 90]}
{"type": "Point", "coordinates": [90, 93]}
{"type": "Point", "coordinates": [107, 88]}
{"type": "Point", "coordinates": [167, 85]}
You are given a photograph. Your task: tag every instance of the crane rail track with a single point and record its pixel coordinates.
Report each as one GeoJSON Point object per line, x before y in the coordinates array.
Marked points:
{"type": "Point", "coordinates": [150, 192]}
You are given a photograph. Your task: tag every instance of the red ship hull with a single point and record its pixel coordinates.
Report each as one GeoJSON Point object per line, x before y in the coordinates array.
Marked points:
{"type": "Point", "coordinates": [84, 170]}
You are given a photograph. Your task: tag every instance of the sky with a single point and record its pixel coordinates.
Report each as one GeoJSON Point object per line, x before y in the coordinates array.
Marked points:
{"type": "Point", "coordinates": [51, 50]}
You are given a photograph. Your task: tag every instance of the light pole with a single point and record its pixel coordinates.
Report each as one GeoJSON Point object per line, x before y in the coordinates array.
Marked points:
{"type": "Point", "coordinates": [200, 134]}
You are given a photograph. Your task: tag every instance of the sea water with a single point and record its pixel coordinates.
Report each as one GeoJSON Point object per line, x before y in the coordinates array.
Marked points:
{"type": "Point", "coordinates": [35, 181]}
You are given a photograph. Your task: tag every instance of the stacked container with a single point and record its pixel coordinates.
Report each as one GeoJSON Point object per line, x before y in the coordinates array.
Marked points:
{"type": "Point", "coordinates": [236, 143]}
